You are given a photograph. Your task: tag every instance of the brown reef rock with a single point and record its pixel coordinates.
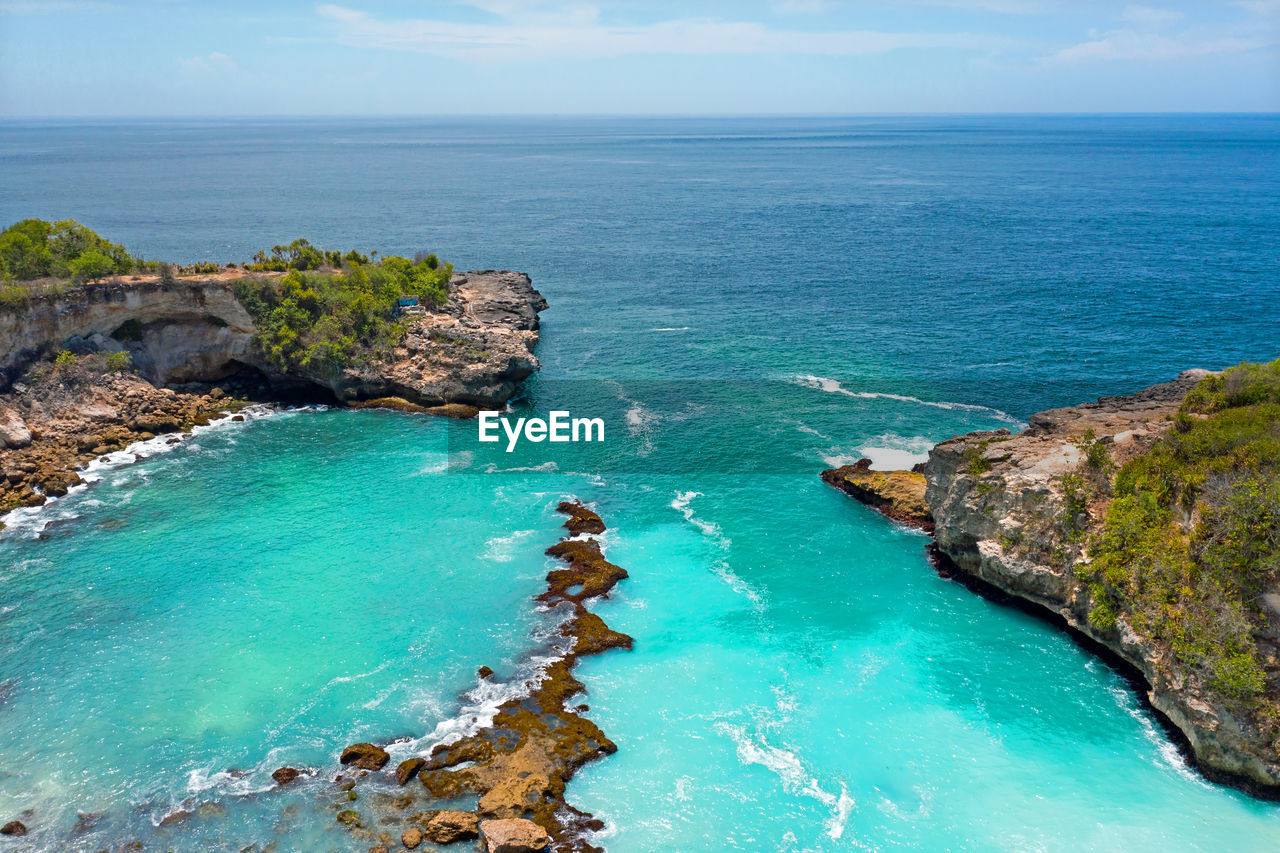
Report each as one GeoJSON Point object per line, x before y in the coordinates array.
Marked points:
{"type": "Point", "coordinates": [366, 756]}
{"type": "Point", "coordinates": [519, 764]}
{"type": "Point", "coordinates": [407, 769]}
{"type": "Point", "coordinates": [284, 775]}
{"type": "Point", "coordinates": [896, 494]}
{"type": "Point", "coordinates": [446, 827]}
{"type": "Point", "coordinates": [581, 520]}
{"type": "Point", "coordinates": [513, 836]}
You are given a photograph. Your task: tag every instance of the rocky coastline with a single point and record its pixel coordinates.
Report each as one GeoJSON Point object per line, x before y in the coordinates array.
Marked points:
{"type": "Point", "coordinates": [516, 767]}
{"type": "Point", "coordinates": [995, 503]}
{"type": "Point", "coordinates": [192, 359]}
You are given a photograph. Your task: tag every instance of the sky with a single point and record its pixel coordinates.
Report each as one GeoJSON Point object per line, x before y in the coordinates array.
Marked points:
{"type": "Point", "coordinates": [179, 58]}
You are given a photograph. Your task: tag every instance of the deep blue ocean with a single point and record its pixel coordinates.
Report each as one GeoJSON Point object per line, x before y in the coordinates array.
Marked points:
{"type": "Point", "coordinates": [745, 302]}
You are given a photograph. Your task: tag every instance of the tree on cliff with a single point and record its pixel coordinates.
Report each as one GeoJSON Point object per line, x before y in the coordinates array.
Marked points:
{"type": "Point", "coordinates": [34, 248]}
{"type": "Point", "coordinates": [91, 266]}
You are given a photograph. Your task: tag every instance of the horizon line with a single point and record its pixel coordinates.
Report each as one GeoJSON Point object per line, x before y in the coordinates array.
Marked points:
{"type": "Point", "coordinates": [636, 115]}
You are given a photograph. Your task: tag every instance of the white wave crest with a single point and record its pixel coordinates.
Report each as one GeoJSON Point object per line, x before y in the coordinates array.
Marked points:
{"type": "Point", "coordinates": [501, 549]}
{"type": "Point", "coordinates": [720, 566]}
{"type": "Point", "coordinates": [30, 522]}
{"type": "Point", "coordinates": [888, 452]}
{"type": "Point", "coordinates": [833, 386]}
{"type": "Point", "coordinates": [1167, 753]}
{"type": "Point", "coordinates": [796, 779]}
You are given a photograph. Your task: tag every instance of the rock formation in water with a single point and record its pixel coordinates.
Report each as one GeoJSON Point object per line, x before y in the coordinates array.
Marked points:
{"type": "Point", "coordinates": [58, 420]}
{"type": "Point", "coordinates": [1000, 508]}
{"type": "Point", "coordinates": [515, 768]}
{"type": "Point", "coordinates": [896, 494]}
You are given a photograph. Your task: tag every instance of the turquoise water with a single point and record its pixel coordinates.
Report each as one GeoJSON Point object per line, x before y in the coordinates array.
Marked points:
{"type": "Point", "coordinates": [744, 302]}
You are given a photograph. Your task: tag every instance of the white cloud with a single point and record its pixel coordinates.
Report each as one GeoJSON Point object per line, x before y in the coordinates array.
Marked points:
{"type": "Point", "coordinates": [1260, 7]}
{"type": "Point", "coordinates": [213, 63]}
{"type": "Point", "coordinates": [577, 33]}
{"type": "Point", "coordinates": [1134, 45]}
{"type": "Point", "coordinates": [1146, 16]}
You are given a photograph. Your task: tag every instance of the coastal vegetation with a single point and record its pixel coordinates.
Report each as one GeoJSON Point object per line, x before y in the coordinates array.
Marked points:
{"type": "Point", "coordinates": [322, 315]}
{"type": "Point", "coordinates": [328, 309]}
{"type": "Point", "coordinates": [34, 249]}
{"type": "Point", "coordinates": [1191, 538]}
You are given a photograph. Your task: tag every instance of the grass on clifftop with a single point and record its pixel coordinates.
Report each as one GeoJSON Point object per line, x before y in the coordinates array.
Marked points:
{"type": "Point", "coordinates": [331, 317]}
{"type": "Point", "coordinates": [1192, 537]}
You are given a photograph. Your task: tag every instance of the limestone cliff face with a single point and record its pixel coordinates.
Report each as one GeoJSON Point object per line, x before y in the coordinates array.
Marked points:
{"type": "Point", "coordinates": [999, 513]}
{"type": "Point", "coordinates": [475, 350]}
{"type": "Point", "coordinates": [189, 330]}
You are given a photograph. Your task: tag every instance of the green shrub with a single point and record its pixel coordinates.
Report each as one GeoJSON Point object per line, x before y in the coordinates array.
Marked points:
{"type": "Point", "coordinates": [14, 296]}
{"type": "Point", "coordinates": [1196, 587]}
{"type": "Point", "coordinates": [65, 359]}
{"type": "Point", "coordinates": [119, 362]}
{"type": "Point", "coordinates": [91, 266]}
{"type": "Point", "coordinates": [34, 248]}
{"type": "Point", "coordinates": [975, 463]}
{"type": "Point", "coordinates": [330, 318]}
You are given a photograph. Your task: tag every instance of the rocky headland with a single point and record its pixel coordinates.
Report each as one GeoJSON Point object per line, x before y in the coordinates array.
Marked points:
{"type": "Point", "coordinates": [192, 356]}
{"type": "Point", "coordinates": [1026, 516]}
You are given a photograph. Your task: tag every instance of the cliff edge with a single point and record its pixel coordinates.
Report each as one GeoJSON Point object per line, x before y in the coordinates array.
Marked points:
{"type": "Point", "coordinates": [1047, 515]}
{"type": "Point", "coordinates": [138, 357]}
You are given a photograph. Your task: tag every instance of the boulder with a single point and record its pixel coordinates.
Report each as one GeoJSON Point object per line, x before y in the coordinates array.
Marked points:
{"type": "Point", "coordinates": [411, 838]}
{"type": "Point", "coordinates": [514, 835]}
{"type": "Point", "coordinates": [446, 827]}
{"type": "Point", "coordinates": [13, 827]}
{"type": "Point", "coordinates": [284, 775]}
{"type": "Point", "coordinates": [484, 672]}
{"type": "Point", "coordinates": [408, 769]}
{"type": "Point", "coordinates": [348, 818]}
{"type": "Point", "coordinates": [13, 429]}
{"type": "Point", "coordinates": [366, 756]}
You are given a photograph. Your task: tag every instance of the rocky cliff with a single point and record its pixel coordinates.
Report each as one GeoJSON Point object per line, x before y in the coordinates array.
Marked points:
{"type": "Point", "coordinates": [475, 350]}
{"type": "Point", "coordinates": [193, 333]}
{"type": "Point", "coordinates": [1003, 515]}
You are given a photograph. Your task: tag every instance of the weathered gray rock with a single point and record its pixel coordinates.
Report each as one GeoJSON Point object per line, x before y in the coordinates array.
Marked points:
{"type": "Point", "coordinates": [13, 429]}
